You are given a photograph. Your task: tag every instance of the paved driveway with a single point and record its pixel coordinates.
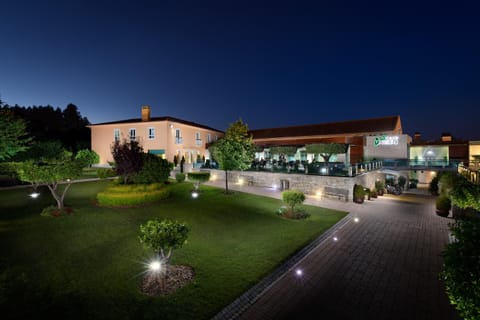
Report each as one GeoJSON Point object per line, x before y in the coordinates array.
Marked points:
{"type": "Point", "coordinates": [385, 266]}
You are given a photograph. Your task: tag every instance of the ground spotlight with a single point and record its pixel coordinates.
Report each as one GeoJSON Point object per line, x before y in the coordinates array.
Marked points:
{"type": "Point", "coordinates": [194, 194]}
{"type": "Point", "coordinates": [34, 195]}
{"type": "Point", "coordinates": [299, 272]}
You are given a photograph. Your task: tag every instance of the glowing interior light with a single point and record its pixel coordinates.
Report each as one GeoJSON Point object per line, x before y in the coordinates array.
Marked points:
{"type": "Point", "coordinates": [155, 266]}
{"type": "Point", "coordinates": [298, 272]}
{"type": "Point", "coordinates": [194, 194]}
{"type": "Point", "coordinates": [356, 219]}
{"type": "Point", "coordinates": [335, 239]}
{"type": "Point", "coordinates": [34, 195]}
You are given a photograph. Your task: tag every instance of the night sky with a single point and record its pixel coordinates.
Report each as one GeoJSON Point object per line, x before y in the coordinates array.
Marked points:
{"type": "Point", "coordinates": [271, 63]}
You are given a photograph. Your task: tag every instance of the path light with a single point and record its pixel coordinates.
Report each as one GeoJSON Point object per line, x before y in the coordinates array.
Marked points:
{"type": "Point", "coordinates": [319, 194]}
{"type": "Point", "coordinates": [274, 186]}
{"type": "Point", "coordinates": [213, 177]}
{"type": "Point", "coordinates": [335, 239]}
{"type": "Point", "coordinates": [194, 194]}
{"type": "Point", "coordinates": [299, 272]}
{"type": "Point", "coordinates": [240, 180]}
{"type": "Point", "coordinates": [356, 219]}
{"type": "Point", "coordinates": [34, 195]}
{"type": "Point", "coordinates": [155, 266]}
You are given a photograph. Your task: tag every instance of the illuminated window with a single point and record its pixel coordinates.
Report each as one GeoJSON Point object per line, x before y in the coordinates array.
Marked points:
{"type": "Point", "coordinates": [133, 134]}
{"type": "Point", "coordinates": [116, 134]}
{"type": "Point", "coordinates": [209, 138]}
{"type": "Point", "coordinates": [151, 133]}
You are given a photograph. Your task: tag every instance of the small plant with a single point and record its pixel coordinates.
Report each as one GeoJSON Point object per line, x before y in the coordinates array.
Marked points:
{"type": "Point", "coordinates": [433, 186]}
{"type": "Point", "coordinates": [358, 193]}
{"type": "Point", "coordinates": [104, 173]}
{"type": "Point", "coordinates": [380, 187]}
{"type": "Point", "coordinates": [402, 181]}
{"type": "Point", "coordinates": [443, 205]}
{"type": "Point", "coordinates": [180, 177]}
{"type": "Point", "coordinates": [293, 198]}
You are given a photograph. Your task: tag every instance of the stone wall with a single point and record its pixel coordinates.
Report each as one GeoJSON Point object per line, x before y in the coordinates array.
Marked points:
{"type": "Point", "coordinates": [308, 184]}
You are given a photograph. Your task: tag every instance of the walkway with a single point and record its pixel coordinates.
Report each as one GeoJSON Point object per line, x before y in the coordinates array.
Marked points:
{"type": "Point", "coordinates": [385, 266]}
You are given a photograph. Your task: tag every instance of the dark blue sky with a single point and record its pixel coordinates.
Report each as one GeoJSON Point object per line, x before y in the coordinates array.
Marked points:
{"type": "Point", "coordinates": [271, 63]}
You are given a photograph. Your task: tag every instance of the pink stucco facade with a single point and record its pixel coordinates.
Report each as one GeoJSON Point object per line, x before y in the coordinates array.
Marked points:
{"type": "Point", "coordinates": [164, 136]}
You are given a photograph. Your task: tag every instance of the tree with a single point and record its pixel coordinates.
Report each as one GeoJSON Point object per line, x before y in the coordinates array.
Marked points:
{"type": "Point", "coordinates": [163, 236]}
{"type": "Point", "coordinates": [13, 135]}
{"type": "Point", "coordinates": [50, 175]}
{"type": "Point", "coordinates": [88, 157]}
{"type": "Point", "coordinates": [198, 178]}
{"type": "Point", "coordinates": [235, 151]}
{"type": "Point", "coordinates": [326, 150]}
{"type": "Point", "coordinates": [128, 157]}
{"type": "Point", "coordinates": [292, 198]}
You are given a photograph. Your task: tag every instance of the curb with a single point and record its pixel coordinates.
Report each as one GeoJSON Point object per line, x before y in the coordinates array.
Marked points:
{"type": "Point", "coordinates": [249, 297]}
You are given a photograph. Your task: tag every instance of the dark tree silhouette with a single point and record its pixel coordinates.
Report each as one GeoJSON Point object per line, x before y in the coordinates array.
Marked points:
{"type": "Point", "coordinates": [128, 157]}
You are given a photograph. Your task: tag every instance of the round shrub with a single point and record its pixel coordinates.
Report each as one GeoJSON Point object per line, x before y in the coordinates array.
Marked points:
{"type": "Point", "coordinates": [292, 198]}
{"type": "Point", "coordinates": [443, 203]}
{"type": "Point", "coordinates": [154, 169]}
{"type": "Point", "coordinates": [180, 177]}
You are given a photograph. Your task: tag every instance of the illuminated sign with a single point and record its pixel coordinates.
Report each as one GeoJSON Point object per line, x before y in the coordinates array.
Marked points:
{"type": "Point", "coordinates": [385, 141]}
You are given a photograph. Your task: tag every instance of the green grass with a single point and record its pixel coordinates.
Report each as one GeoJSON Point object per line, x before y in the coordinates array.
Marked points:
{"type": "Point", "coordinates": [89, 265]}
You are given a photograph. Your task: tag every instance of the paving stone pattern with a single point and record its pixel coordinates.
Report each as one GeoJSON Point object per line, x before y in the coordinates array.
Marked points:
{"type": "Point", "coordinates": [383, 267]}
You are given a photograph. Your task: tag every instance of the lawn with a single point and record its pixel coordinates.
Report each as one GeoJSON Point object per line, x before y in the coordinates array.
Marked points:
{"type": "Point", "coordinates": [89, 265]}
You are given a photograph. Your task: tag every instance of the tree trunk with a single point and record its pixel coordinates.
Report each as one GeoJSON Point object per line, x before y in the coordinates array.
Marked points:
{"type": "Point", "coordinates": [226, 181]}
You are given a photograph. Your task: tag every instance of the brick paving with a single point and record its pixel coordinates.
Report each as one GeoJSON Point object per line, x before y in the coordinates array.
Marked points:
{"type": "Point", "coordinates": [385, 266]}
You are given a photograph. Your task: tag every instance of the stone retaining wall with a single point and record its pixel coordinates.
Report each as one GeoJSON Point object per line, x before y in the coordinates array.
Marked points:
{"type": "Point", "coordinates": [308, 184]}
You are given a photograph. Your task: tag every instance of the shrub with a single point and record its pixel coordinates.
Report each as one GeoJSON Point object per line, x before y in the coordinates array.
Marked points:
{"type": "Point", "coordinates": [103, 173]}
{"type": "Point", "coordinates": [199, 176]}
{"type": "Point", "coordinates": [154, 169]}
{"type": "Point", "coordinates": [443, 203]}
{"type": "Point", "coordinates": [359, 193]}
{"type": "Point", "coordinates": [163, 236]}
{"type": "Point", "coordinates": [292, 198]}
{"type": "Point", "coordinates": [461, 269]}
{"type": "Point", "coordinates": [380, 187]}
{"type": "Point", "coordinates": [401, 181]}
{"type": "Point", "coordinates": [54, 211]}
{"type": "Point", "coordinates": [180, 177]}
{"type": "Point", "coordinates": [433, 186]}
{"type": "Point", "coordinates": [132, 195]}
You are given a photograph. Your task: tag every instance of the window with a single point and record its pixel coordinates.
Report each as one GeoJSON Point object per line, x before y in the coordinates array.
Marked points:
{"type": "Point", "coordinates": [151, 133]}
{"type": "Point", "coordinates": [178, 137]}
{"type": "Point", "coordinates": [198, 139]}
{"type": "Point", "coordinates": [116, 134]}
{"type": "Point", "coordinates": [216, 137]}
{"type": "Point", "coordinates": [132, 134]}
{"type": "Point", "coordinates": [209, 138]}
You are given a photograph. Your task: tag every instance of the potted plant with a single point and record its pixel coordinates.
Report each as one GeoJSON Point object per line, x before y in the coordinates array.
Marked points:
{"type": "Point", "coordinates": [358, 193]}
{"type": "Point", "coordinates": [373, 192]}
{"type": "Point", "coordinates": [433, 186]}
{"type": "Point", "coordinates": [380, 187]}
{"type": "Point", "coordinates": [443, 205]}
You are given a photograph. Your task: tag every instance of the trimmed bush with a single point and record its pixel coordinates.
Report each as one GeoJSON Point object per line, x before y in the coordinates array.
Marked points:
{"type": "Point", "coordinates": [132, 195]}
{"type": "Point", "coordinates": [433, 186]}
{"type": "Point", "coordinates": [199, 176]}
{"type": "Point", "coordinates": [154, 169]}
{"type": "Point", "coordinates": [443, 203]}
{"type": "Point", "coordinates": [380, 187]}
{"type": "Point", "coordinates": [104, 173]}
{"type": "Point", "coordinates": [358, 193]}
{"type": "Point", "coordinates": [180, 177]}
{"type": "Point", "coordinates": [461, 269]}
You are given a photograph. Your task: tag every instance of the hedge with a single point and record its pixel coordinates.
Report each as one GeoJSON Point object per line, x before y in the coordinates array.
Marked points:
{"type": "Point", "coordinates": [132, 195]}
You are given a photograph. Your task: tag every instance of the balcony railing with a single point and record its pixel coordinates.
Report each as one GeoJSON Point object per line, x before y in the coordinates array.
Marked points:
{"type": "Point", "coordinates": [198, 142]}
{"type": "Point", "coordinates": [178, 140]}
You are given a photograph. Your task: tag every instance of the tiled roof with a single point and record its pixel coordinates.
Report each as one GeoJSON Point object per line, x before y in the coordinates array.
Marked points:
{"type": "Point", "coordinates": [374, 125]}
{"type": "Point", "coordinates": [156, 119]}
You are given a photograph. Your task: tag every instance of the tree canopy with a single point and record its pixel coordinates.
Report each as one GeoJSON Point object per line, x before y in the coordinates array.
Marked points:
{"type": "Point", "coordinates": [235, 151]}
{"type": "Point", "coordinates": [13, 135]}
{"type": "Point", "coordinates": [128, 157]}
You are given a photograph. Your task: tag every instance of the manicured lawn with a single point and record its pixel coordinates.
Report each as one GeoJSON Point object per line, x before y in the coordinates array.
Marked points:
{"type": "Point", "coordinates": [88, 265]}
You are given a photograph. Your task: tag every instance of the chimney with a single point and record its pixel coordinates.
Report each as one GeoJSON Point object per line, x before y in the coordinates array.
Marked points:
{"type": "Point", "coordinates": [446, 137]}
{"type": "Point", "coordinates": [417, 137]}
{"type": "Point", "coordinates": [146, 113]}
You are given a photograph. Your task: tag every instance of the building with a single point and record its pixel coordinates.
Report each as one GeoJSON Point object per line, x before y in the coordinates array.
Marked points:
{"type": "Point", "coordinates": [162, 136]}
{"type": "Point", "coordinates": [368, 139]}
